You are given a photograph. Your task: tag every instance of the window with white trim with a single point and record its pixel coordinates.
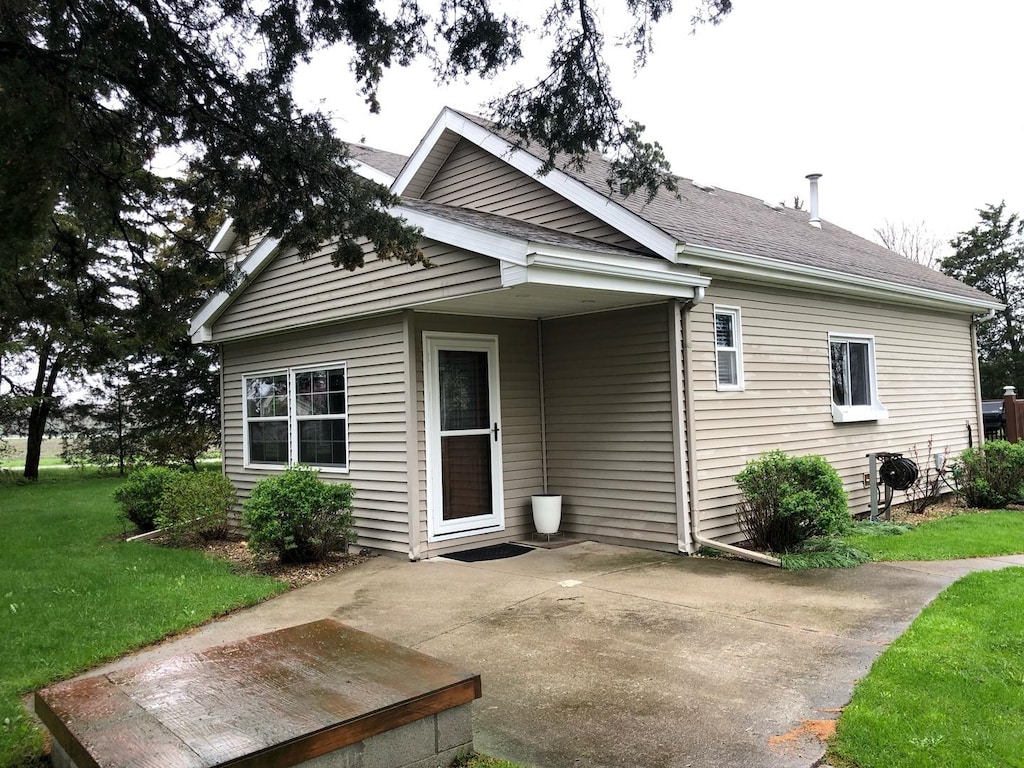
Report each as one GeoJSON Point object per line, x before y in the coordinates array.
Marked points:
{"type": "Point", "coordinates": [853, 379]}
{"type": "Point", "coordinates": [297, 416]}
{"type": "Point", "coordinates": [728, 348]}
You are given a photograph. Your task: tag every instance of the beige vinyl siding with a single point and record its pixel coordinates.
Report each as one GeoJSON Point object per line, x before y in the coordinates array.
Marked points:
{"type": "Point", "coordinates": [373, 352]}
{"type": "Point", "coordinates": [473, 178]}
{"type": "Point", "coordinates": [519, 385]}
{"type": "Point", "coordinates": [240, 251]}
{"type": "Point", "coordinates": [925, 375]}
{"type": "Point", "coordinates": [609, 426]}
{"type": "Point", "coordinates": [291, 293]}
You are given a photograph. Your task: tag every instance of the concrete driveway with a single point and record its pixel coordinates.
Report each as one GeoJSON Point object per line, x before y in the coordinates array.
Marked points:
{"type": "Point", "coordinates": [595, 655]}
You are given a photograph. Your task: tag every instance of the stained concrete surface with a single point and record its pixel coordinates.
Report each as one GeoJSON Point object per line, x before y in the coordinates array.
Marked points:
{"type": "Point", "coordinates": [595, 655]}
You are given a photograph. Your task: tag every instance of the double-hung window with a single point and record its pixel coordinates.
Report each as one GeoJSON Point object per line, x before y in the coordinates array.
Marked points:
{"type": "Point", "coordinates": [728, 348]}
{"type": "Point", "coordinates": [853, 379]}
{"type": "Point", "coordinates": [297, 416]}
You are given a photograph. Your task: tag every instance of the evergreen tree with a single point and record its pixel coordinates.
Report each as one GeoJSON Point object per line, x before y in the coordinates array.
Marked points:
{"type": "Point", "coordinates": [990, 257]}
{"type": "Point", "coordinates": [93, 92]}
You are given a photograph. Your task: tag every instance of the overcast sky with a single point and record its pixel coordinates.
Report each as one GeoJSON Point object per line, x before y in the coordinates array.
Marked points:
{"type": "Point", "coordinates": [911, 109]}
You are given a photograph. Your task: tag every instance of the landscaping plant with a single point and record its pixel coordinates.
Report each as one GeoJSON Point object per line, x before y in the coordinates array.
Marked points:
{"type": "Point", "coordinates": [298, 516]}
{"type": "Point", "coordinates": [194, 506]}
{"type": "Point", "coordinates": [789, 499]}
{"type": "Point", "coordinates": [927, 489]}
{"type": "Point", "coordinates": [139, 495]}
{"type": "Point", "coordinates": [991, 475]}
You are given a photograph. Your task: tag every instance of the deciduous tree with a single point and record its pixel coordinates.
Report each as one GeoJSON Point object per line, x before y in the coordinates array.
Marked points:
{"type": "Point", "coordinates": [912, 240]}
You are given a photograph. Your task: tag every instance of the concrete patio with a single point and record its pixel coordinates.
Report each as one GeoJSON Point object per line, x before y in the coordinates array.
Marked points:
{"type": "Point", "coordinates": [595, 655]}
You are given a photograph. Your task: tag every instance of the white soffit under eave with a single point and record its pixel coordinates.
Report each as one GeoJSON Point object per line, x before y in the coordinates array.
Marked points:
{"type": "Point", "coordinates": [615, 274]}
{"type": "Point", "coordinates": [483, 241]}
{"type": "Point", "coordinates": [373, 174]}
{"type": "Point", "coordinates": [547, 258]}
{"type": "Point", "coordinates": [201, 325]}
{"type": "Point", "coordinates": [601, 206]}
{"type": "Point", "coordinates": [224, 238]}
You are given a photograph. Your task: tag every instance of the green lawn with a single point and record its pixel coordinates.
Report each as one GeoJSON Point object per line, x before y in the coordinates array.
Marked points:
{"type": "Point", "coordinates": [968, 535]}
{"type": "Point", "coordinates": [949, 693]}
{"type": "Point", "coordinates": [14, 456]}
{"type": "Point", "coordinates": [72, 596]}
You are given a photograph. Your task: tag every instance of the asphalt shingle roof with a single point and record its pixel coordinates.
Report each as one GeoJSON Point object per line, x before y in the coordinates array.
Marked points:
{"type": "Point", "coordinates": [731, 221]}
{"type": "Point", "coordinates": [390, 163]}
{"type": "Point", "coordinates": [523, 230]}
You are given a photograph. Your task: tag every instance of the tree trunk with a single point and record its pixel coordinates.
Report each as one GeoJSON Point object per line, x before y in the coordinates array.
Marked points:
{"type": "Point", "coordinates": [42, 400]}
{"type": "Point", "coordinates": [36, 429]}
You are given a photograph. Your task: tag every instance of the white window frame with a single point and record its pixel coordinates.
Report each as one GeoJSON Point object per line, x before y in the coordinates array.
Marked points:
{"type": "Point", "coordinates": [736, 349]}
{"type": "Point", "coordinates": [874, 410]}
{"type": "Point", "coordinates": [246, 419]}
{"type": "Point", "coordinates": [293, 418]}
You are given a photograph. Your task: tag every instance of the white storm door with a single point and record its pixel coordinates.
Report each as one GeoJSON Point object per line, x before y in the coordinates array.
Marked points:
{"type": "Point", "coordinates": [464, 490]}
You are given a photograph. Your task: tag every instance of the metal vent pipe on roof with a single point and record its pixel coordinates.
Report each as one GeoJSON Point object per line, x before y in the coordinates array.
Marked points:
{"type": "Point", "coordinates": [815, 219]}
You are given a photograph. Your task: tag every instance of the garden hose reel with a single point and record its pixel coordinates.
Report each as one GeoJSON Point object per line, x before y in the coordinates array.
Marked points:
{"type": "Point", "coordinates": [895, 473]}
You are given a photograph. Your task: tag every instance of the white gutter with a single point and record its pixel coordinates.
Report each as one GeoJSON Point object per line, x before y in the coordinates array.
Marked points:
{"type": "Point", "coordinates": [691, 457]}
{"type": "Point", "coordinates": [744, 265]}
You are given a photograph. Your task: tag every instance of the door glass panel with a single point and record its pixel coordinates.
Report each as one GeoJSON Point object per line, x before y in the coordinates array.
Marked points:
{"type": "Point", "coordinates": [465, 476]}
{"type": "Point", "coordinates": [465, 401]}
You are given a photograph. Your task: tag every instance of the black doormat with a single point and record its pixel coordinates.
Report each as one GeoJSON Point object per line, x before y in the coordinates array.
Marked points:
{"type": "Point", "coordinates": [493, 552]}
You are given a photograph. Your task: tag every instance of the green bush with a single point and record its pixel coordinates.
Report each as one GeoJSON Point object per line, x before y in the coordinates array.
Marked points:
{"type": "Point", "coordinates": [195, 506]}
{"type": "Point", "coordinates": [789, 499]}
{"type": "Point", "coordinates": [992, 475]}
{"type": "Point", "coordinates": [139, 495]}
{"type": "Point", "coordinates": [298, 516]}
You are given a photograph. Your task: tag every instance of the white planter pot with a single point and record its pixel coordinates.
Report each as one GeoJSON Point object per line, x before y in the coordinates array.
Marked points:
{"type": "Point", "coordinates": [547, 512]}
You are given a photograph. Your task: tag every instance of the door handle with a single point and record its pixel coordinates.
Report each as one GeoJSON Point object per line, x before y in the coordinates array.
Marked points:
{"type": "Point", "coordinates": [495, 431]}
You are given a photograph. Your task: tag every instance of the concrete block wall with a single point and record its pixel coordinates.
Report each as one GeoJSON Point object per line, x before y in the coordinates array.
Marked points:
{"type": "Point", "coordinates": [431, 742]}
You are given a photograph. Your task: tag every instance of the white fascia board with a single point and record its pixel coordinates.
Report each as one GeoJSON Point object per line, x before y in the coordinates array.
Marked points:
{"type": "Point", "coordinates": [224, 238]}
{"type": "Point", "coordinates": [373, 174]}
{"type": "Point", "coordinates": [601, 206]}
{"type": "Point", "coordinates": [201, 324]}
{"type": "Point", "coordinates": [743, 265]}
{"type": "Point", "coordinates": [501, 247]}
{"type": "Point", "coordinates": [607, 272]}
{"type": "Point", "coordinates": [422, 152]}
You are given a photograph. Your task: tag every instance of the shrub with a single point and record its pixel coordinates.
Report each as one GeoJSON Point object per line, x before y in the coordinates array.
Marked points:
{"type": "Point", "coordinates": [298, 516]}
{"type": "Point", "coordinates": [823, 552]}
{"type": "Point", "coordinates": [789, 499]}
{"type": "Point", "coordinates": [992, 475]}
{"type": "Point", "coordinates": [195, 506]}
{"type": "Point", "coordinates": [139, 495]}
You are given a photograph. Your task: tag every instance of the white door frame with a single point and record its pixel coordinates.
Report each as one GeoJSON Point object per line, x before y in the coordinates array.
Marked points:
{"type": "Point", "coordinates": [439, 529]}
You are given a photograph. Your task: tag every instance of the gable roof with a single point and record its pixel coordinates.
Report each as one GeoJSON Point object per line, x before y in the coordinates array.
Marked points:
{"type": "Point", "coordinates": [721, 231]}
{"type": "Point", "coordinates": [389, 164]}
{"type": "Point", "coordinates": [522, 230]}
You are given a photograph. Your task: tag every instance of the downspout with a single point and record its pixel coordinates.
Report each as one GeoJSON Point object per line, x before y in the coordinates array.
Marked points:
{"type": "Point", "coordinates": [691, 452]}
{"type": "Point", "coordinates": [412, 482]}
{"type": "Point", "coordinates": [684, 529]}
{"type": "Point", "coordinates": [543, 417]}
{"type": "Point", "coordinates": [220, 376]}
{"type": "Point", "coordinates": [975, 319]}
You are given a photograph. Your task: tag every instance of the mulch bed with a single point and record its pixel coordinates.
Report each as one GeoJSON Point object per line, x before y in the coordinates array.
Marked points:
{"type": "Point", "coordinates": [243, 560]}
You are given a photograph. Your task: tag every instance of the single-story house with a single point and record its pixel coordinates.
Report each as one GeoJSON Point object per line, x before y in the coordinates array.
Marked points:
{"type": "Point", "coordinates": [631, 355]}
